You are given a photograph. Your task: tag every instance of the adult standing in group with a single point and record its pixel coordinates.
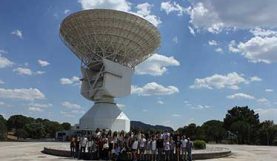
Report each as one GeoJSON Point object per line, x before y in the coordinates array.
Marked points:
{"type": "Point", "coordinates": [135, 149]}
{"type": "Point", "coordinates": [77, 147]}
{"type": "Point", "coordinates": [172, 147]}
{"type": "Point", "coordinates": [160, 147]}
{"type": "Point", "coordinates": [167, 149]}
{"type": "Point", "coordinates": [154, 148]}
{"type": "Point", "coordinates": [84, 141]}
{"type": "Point", "coordinates": [178, 145]}
{"type": "Point", "coordinates": [189, 149]}
{"type": "Point", "coordinates": [184, 149]}
{"type": "Point", "coordinates": [72, 146]}
{"type": "Point", "coordinates": [142, 145]}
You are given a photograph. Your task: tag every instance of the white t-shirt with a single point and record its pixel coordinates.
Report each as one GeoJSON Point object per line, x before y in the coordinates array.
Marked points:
{"type": "Point", "coordinates": [142, 143]}
{"type": "Point", "coordinates": [167, 145]}
{"type": "Point", "coordinates": [154, 145]}
{"type": "Point", "coordinates": [84, 142]}
{"type": "Point", "coordinates": [106, 146]}
{"type": "Point", "coordinates": [184, 143]}
{"type": "Point", "coordinates": [135, 145]}
{"type": "Point", "coordinates": [90, 143]}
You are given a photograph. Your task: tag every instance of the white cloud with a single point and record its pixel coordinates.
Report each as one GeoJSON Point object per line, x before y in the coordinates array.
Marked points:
{"type": "Point", "coordinates": [269, 90]}
{"type": "Point", "coordinates": [231, 81]}
{"type": "Point", "coordinates": [35, 109]}
{"type": "Point", "coordinates": [122, 5]}
{"type": "Point", "coordinates": [255, 79]}
{"type": "Point", "coordinates": [2, 82]}
{"type": "Point", "coordinates": [213, 43]}
{"type": "Point", "coordinates": [66, 11]}
{"type": "Point", "coordinates": [43, 63]}
{"type": "Point", "coordinates": [267, 113]}
{"type": "Point", "coordinates": [39, 72]}
{"type": "Point", "coordinates": [219, 50]}
{"type": "Point", "coordinates": [160, 102]}
{"type": "Point", "coordinates": [156, 65]}
{"type": "Point", "coordinates": [17, 33]}
{"type": "Point", "coordinates": [38, 107]}
{"type": "Point", "coordinates": [240, 96]}
{"type": "Point", "coordinates": [28, 94]}
{"type": "Point", "coordinates": [144, 110]}
{"type": "Point", "coordinates": [143, 9]}
{"type": "Point", "coordinates": [200, 107]}
{"type": "Point", "coordinates": [154, 88]}
{"type": "Point", "coordinates": [216, 15]}
{"type": "Point", "coordinates": [169, 7]}
{"type": "Point", "coordinates": [70, 105]}
{"type": "Point", "coordinates": [263, 101]}
{"type": "Point", "coordinates": [72, 113]}
{"type": "Point", "coordinates": [3, 51]}
{"type": "Point", "coordinates": [262, 47]}
{"type": "Point", "coordinates": [175, 115]}
{"type": "Point", "coordinates": [191, 30]}
{"type": "Point", "coordinates": [70, 81]}
{"type": "Point", "coordinates": [5, 62]}
{"type": "Point", "coordinates": [175, 39]}
{"type": "Point", "coordinates": [23, 71]}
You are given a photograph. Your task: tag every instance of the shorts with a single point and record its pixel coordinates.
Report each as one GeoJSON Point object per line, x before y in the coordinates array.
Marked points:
{"type": "Point", "coordinates": [141, 150]}
{"type": "Point", "coordinates": [154, 151]}
{"type": "Point", "coordinates": [134, 150]}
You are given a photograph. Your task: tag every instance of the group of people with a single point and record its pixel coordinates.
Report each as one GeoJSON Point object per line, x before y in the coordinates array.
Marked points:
{"type": "Point", "coordinates": [122, 146]}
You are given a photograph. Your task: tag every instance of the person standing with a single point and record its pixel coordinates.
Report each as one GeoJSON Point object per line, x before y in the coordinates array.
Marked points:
{"type": "Point", "coordinates": [154, 148]}
{"type": "Point", "coordinates": [184, 149]}
{"type": "Point", "coordinates": [189, 149]}
{"type": "Point", "coordinates": [77, 148]}
{"type": "Point", "coordinates": [90, 145]}
{"type": "Point", "coordinates": [135, 148]}
{"type": "Point", "coordinates": [84, 141]}
{"type": "Point", "coordinates": [167, 149]}
{"type": "Point", "coordinates": [72, 146]}
{"type": "Point", "coordinates": [178, 145]}
{"type": "Point", "coordinates": [148, 149]}
{"type": "Point", "coordinates": [160, 147]}
{"type": "Point", "coordinates": [105, 149]}
{"type": "Point", "coordinates": [172, 147]}
{"type": "Point", "coordinates": [142, 144]}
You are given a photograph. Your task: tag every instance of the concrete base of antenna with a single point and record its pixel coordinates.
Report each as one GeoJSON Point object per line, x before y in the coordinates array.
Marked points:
{"type": "Point", "coordinates": [104, 115]}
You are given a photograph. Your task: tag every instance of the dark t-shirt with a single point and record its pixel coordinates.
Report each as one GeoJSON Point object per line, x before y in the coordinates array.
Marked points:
{"type": "Point", "coordinates": [178, 144]}
{"type": "Point", "coordinates": [160, 143]}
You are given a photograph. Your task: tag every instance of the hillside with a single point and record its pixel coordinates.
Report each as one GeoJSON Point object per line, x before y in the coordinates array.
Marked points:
{"type": "Point", "coordinates": [143, 126]}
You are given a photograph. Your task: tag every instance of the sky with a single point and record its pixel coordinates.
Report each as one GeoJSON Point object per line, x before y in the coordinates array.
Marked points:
{"type": "Point", "coordinates": [214, 55]}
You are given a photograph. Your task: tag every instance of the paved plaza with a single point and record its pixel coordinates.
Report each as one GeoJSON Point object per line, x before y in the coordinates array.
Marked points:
{"type": "Point", "coordinates": [30, 151]}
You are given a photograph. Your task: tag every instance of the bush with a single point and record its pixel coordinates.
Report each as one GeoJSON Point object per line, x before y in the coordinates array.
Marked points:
{"type": "Point", "coordinates": [199, 144]}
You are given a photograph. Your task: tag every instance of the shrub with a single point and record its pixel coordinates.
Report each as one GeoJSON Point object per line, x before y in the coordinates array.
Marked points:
{"type": "Point", "coordinates": [199, 144]}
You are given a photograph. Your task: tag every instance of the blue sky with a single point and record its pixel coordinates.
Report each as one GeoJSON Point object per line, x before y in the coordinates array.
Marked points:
{"type": "Point", "coordinates": [210, 59]}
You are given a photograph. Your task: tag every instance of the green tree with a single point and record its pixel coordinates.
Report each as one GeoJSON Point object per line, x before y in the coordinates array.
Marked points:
{"type": "Point", "coordinates": [21, 134]}
{"type": "Point", "coordinates": [243, 122]}
{"type": "Point", "coordinates": [18, 121]}
{"type": "Point", "coordinates": [66, 126]}
{"type": "Point", "coordinates": [51, 127]}
{"type": "Point", "coordinates": [214, 130]}
{"type": "Point", "coordinates": [3, 128]}
{"type": "Point", "coordinates": [267, 132]}
{"type": "Point", "coordinates": [35, 130]}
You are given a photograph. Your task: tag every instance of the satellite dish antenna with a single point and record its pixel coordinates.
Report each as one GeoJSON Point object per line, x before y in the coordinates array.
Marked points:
{"type": "Point", "coordinates": [109, 44]}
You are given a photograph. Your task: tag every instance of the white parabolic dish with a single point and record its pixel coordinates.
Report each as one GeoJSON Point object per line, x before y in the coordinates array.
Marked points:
{"type": "Point", "coordinates": [114, 35]}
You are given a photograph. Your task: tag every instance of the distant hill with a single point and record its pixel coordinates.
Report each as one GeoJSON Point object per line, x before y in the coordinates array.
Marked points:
{"type": "Point", "coordinates": [143, 126]}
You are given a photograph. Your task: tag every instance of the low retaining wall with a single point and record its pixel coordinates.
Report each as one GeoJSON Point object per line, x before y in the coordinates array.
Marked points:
{"type": "Point", "coordinates": [195, 156]}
